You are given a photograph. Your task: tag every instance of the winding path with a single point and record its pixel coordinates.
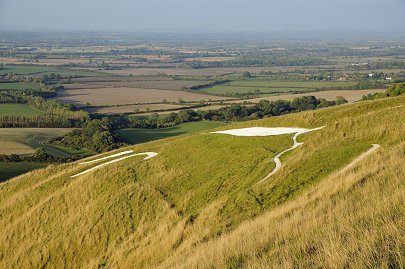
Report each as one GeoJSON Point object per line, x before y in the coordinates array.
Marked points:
{"type": "Point", "coordinates": [277, 157]}
{"type": "Point", "coordinates": [263, 131]}
{"type": "Point", "coordinates": [296, 144]}
{"type": "Point", "coordinates": [149, 155]}
{"type": "Point", "coordinates": [361, 157]}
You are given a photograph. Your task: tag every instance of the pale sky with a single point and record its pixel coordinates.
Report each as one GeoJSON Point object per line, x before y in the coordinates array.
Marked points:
{"type": "Point", "coordinates": [201, 15]}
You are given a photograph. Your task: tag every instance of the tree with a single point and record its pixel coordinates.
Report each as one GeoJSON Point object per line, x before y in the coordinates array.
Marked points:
{"type": "Point", "coordinates": [305, 103]}
{"type": "Point", "coordinates": [40, 155]}
{"type": "Point", "coordinates": [246, 75]}
{"type": "Point", "coordinates": [340, 100]}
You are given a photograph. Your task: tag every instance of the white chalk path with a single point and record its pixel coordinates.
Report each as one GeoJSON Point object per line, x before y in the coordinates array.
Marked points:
{"type": "Point", "coordinates": [277, 157]}
{"type": "Point", "coordinates": [149, 155]}
{"type": "Point", "coordinates": [261, 131]}
{"type": "Point", "coordinates": [109, 157]}
{"type": "Point", "coordinates": [361, 157]}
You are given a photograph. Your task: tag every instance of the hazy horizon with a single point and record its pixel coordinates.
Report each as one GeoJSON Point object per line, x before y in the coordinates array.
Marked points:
{"type": "Point", "coordinates": [201, 16]}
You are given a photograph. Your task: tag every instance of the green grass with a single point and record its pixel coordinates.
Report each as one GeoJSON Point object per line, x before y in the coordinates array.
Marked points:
{"type": "Point", "coordinates": [19, 110]}
{"type": "Point", "coordinates": [26, 69]}
{"type": "Point", "coordinates": [272, 87]}
{"type": "Point", "coordinates": [74, 152]}
{"type": "Point", "coordinates": [10, 170]}
{"type": "Point", "coordinates": [19, 86]}
{"type": "Point", "coordinates": [139, 135]}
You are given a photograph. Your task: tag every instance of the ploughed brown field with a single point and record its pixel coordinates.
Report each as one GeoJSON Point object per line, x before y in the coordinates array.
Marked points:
{"type": "Point", "coordinates": [148, 82]}
{"type": "Point", "coordinates": [350, 95]}
{"type": "Point", "coordinates": [111, 110]}
{"type": "Point", "coordinates": [121, 96]}
{"type": "Point", "coordinates": [110, 78]}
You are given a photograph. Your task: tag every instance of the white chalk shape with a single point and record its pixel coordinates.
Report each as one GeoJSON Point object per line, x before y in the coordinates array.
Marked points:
{"type": "Point", "coordinates": [109, 157]}
{"type": "Point", "coordinates": [262, 131]}
{"type": "Point", "coordinates": [149, 155]}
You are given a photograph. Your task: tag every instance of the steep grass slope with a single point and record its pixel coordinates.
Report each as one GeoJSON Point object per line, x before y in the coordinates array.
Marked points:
{"type": "Point", "coordinates": [189, 205]}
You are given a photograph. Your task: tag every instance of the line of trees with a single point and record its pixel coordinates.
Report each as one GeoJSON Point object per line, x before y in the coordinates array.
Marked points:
{"type": "Point", "coordinates": [59, 109]}
{"type": "Point", "coordinates": [39, 121]}
{"type": "Point", "coordinates": [235, 112]}
{"type": "Point", "coordinates": [39, 155]}
{"type": "Point", "coordinates": [259, 60]}
{"type": "Point", "coordinates": [57, 115]}
{"type": "Point", "coordinates": [392, 91]}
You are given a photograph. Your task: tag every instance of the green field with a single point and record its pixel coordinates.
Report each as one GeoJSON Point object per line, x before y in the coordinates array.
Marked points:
{"type": "Point", "coordinates": [139, 135]}
{"type": "Point", "coordinates": [256, 86]}
{"type": "Point", "coordinates": [24, 141]}
{"type": "Point", "coordinates": [19, 86]}
{"type": "Point", "coordinates": [73, 152]}
{"type": "Point", "coordinates": [46, 70]}
{"type": "Point", "coordinates": [10, 170]}
{"type": "Point", "coordinates": [19, 110]}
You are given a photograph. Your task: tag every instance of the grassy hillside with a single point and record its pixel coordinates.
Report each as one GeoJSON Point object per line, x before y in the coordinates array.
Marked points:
{"type": "Point", "coordinates": [197, 203]}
